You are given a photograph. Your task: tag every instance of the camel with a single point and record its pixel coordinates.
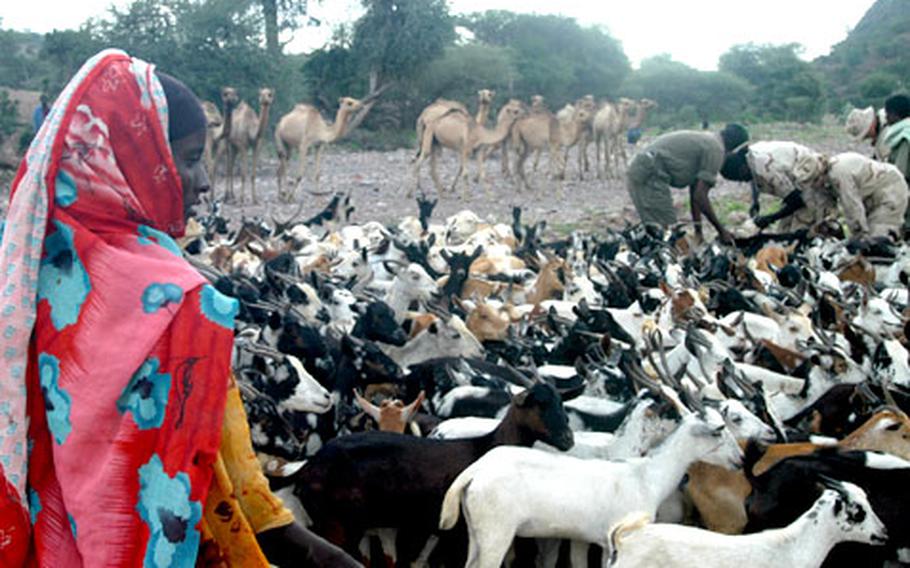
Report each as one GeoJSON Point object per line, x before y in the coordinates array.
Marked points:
{"type": "Point", "coordinates": [544, 130]}
{"type": "Point", "coordinates": [609, 123]}
{"type": "Point", "coordinates": [214, 124]}
{"type": "Point", "coordinates": [484, 100]}
{"type": "Point", "coordinates": [535, 132]}
{"type": "Point", "coordinates": [441, 106]}
{"type": "Point", "coordinates": [634, 117]}
{"type": "Point", "coordinates": [459, 131]}
{"type": "Point", "coordinates": [303, 127]}
{"type": "Point", "coordinates": [218, 127]}
{"type": "Point", "coordinates": [537, 106]}
{"type": "Point", "coordinates": [243, 131]}
{"type": "Point", "coordinates": [588, 103]}
{"type": "Point", "coordinates": [574, 122]}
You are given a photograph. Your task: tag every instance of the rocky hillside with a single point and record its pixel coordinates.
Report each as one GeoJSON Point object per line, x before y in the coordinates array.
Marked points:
{"type": "Point", "coordinates": [873, 61]}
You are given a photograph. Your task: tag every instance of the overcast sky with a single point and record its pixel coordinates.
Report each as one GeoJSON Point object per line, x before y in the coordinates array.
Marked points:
{"type": "Point", "coordinates": [695, 32]}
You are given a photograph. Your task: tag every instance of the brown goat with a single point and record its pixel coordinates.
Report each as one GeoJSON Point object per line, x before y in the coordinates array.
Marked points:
{"type": "Point", "coordinates": [720, 495]}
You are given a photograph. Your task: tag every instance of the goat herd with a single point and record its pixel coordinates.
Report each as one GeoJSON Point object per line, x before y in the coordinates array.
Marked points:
{"type": "Point", "coordinates": [472, 394]}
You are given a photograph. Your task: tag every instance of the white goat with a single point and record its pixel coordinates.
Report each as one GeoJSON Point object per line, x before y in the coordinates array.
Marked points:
{"type": "Point", "coordinates": [441, 338]}
{"type": "Point", "coordinates": [842, 514]}
{"type": "Point", "coordinates": [411, 284]}
{"type": "Point", "coordinates": [513, 491]}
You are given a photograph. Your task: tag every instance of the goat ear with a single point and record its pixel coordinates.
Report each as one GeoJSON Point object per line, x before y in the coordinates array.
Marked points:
{"type": "Point", "coordinates": [665, 289]}
{"type": "Point", "coordinates": [521, 399]}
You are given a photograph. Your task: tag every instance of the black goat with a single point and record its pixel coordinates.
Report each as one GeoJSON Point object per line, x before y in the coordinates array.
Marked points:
{"type": "Point", "coordinates": [787, 489]}
{"type": "Point", "coordinates": [380, 479]}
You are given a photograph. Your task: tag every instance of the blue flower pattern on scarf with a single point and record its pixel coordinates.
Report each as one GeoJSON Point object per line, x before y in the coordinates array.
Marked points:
{"type": "Point", "coordinates": [148, 236]}
{"type": "Point", "coordinates": [65, 189]}
{"type": "Point", "coordinates": [146, 395]}
{"type": "Point", "coordinates": [157, 295]}
{"type": "Point", "coordinates": [57, 401]}
{"type": "Point", "coordinates": [62, 279]}
{"type": "Point", "coordinates": [34, 505]}
{"type": "Point", "coordinates": [218, 308]}
{"type": "Point", "coordinates": [165, 506]}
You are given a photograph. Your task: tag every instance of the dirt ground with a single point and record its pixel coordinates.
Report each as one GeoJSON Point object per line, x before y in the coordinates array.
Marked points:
{"type": "Point", "coordinates": [378, 183]}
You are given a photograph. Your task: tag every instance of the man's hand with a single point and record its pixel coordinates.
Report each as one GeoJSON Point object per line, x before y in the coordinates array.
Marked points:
{"type": "Point", "coordinates": [763, 221]}
{"type": "Point", "coordinates": [754, 210]}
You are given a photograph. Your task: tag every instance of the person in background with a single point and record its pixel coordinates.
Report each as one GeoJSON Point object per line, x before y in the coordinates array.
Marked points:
{"type": "Point", "coordinates": [122, 434]}
{"type": "Point", "coordinates": [896, 138]}
{"type": "Point", "coordinates": [867, 124]}
{"type": "Point", "coordinates": [685, 158]}
{"type": "Point", "coordinates": [40, 113]}
{"type": "Point", "coordinates": [785, 170]}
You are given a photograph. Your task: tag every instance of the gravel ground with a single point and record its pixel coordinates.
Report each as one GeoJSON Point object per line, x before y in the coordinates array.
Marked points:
{"type": "Point", "coordinates": [378, 183]}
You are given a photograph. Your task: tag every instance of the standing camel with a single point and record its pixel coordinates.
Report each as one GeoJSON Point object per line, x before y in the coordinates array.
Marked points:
{"type": "Point", "coordinates": [303, 127]}
{"type": "Point", "coordinates": [441, 106]}
{"type": "Point", "coordinates": [218, 128]}
{"type": "Point", "coordinates": [459, 131]}
{"type": "Point", "coordinates": [633, 118]}
{"type": "Point", "coordinates": [244, 131]}
{"type": "Point", "coordinates": [609, 124]}
{"type": "Point", "coordinates": [587, 103]}
{"type": "Point", "coordinates": [484, 100]}
{"type": "Point", "coordinates": [638, 119]}
{"type": "Point", "coordinates": [538, 106]}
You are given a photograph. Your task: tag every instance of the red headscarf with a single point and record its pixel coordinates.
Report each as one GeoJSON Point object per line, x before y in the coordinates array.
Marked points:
{"type": "Point", "coordinates": [126, 372]}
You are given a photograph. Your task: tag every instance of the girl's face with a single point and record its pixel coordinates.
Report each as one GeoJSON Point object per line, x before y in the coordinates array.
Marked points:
{"type": "Point", "coordinates": [188, 159]}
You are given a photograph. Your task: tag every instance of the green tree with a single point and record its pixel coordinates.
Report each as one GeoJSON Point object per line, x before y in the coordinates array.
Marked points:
{"type": "Point", "coordinates": [687, 95]}
{"type": "Point", "coordinates": [785, 86]}
{"type": "Point", "coordinates": [553, 55]}
{"type": "Point", "coordinates": [280, 15]}
{"type": "Point", "coordinates": [396, 39]}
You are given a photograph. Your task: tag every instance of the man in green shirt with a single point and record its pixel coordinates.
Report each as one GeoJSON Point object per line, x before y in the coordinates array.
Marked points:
{"type": "Point", "coordinates": [897, 139]}
{"type": "Point", "coordinates": [685, 158]}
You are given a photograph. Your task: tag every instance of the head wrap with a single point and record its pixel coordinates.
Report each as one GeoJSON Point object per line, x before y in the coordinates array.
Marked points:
{"type": "Point", "coordinates": [185, 114]}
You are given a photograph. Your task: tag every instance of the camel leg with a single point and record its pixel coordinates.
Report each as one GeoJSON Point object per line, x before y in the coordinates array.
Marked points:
{"type": "Point", "coordinates": [537, 153]}
{"type": "Point", "coordinates": [213, 174]}
{"type": "Point", "coordinates": [245, 173]}
{"type": "Point", "coordinates": [282, 170]}
{"type": "Point", "coordinates": [482, 174]}
{"type": "Point", "coordinates": [256, 148]}
{"type": "Point", "coordinates": [303, 150]}
{"type": "Point", "coordinates": [231, 157]}
{"type": "Point", "coordinates": [426, 149]}
{"type": "Point", "coordinates": [463, 172]}
{"type": "Point", "coordinates": [520, 167]}
{"type": "Point", "coordinates": [504, 162]}
{"type": "Point", "coordinates": [318, 164]}
{"type": "Point", "coordinates": [434, 173]}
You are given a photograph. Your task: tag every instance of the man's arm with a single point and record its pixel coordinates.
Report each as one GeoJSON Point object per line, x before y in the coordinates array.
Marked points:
{"type": "Point", "coordinates": [793, 202]}
{"type": "Point", "coordinates": [698, 195]}
{"type": "Point", "coordinates": [293, 545]}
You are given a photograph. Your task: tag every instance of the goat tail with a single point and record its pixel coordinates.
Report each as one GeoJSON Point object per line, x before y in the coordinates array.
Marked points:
{"type": "Point", "coordinates": [451, 504]}
{"type": "Point", "coordinates": [629, 523]}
